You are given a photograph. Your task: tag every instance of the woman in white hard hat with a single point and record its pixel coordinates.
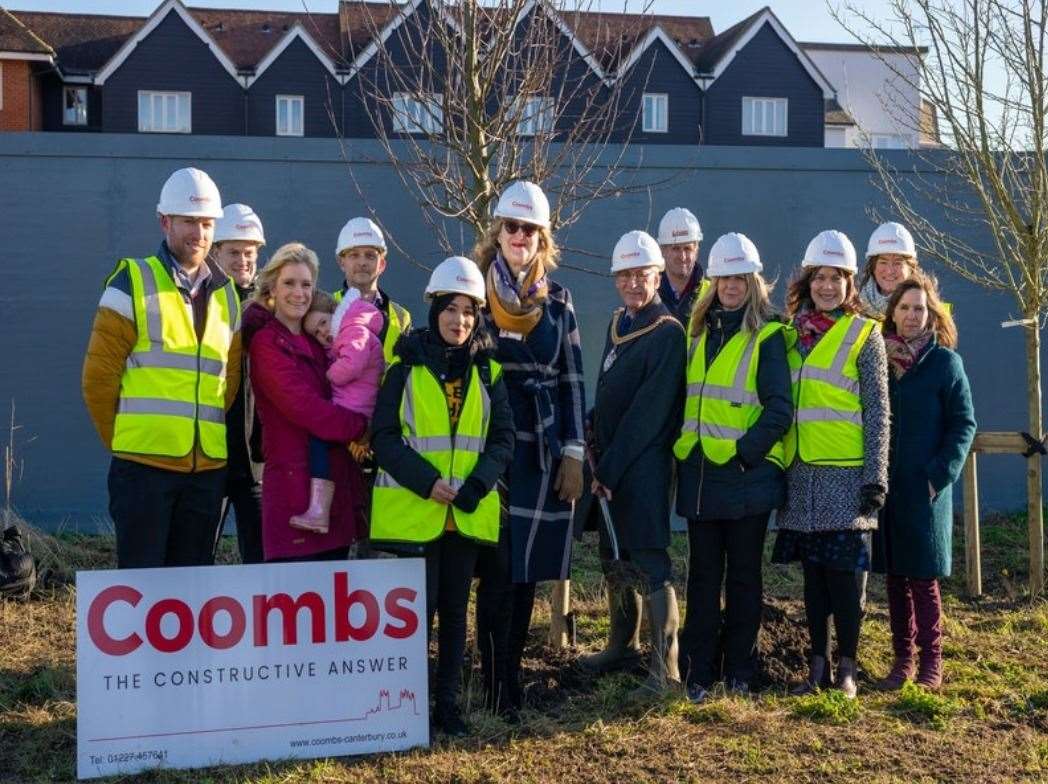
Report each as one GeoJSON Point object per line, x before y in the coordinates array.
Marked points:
{"type": "Point", "coordinates": [933, 424]}
{"type": "Point", "coordinates": [443, 435]}
{"type": "Point", "coordinates": [238, 240]}
{"type": "Point", "coordinates": [293, 398]}
{"type": "Point", "coordinates": [539, 345]}
{"type": "Point", "coordinates": [738, 410]}
{"type": "Point", "coordinates": [837, 451]}
{"type": "Point", "coordinates": [891, 257]}
{"type": "Point", "coordinates": [634, 421]}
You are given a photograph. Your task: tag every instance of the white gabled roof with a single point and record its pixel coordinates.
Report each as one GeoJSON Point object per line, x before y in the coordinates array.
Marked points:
{"type": "Point", "coordinates": [372, 48]}
{"type": "Point", "coordinates": [299, 32]}
{"type": "Point", "coordinates": [768, 16]}
{"type": "Point", "coordinates": [656, 33]}
{"type": "Point", "coordinates": [158, 16]}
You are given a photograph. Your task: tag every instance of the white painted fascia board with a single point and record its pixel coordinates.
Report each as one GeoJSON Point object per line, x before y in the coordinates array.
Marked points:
{"type": "Point", "coordinates": [658, 34]}
{"type": "Point", "coordinates": [768, 16]}
{"type": "Point", "coordinates": [372, 48]}
{"type": "Point", "coordinates": [300, 32]}
{"type": "Point", "coordinates": [158, 16]}
{"type": "Point", "coordinates": [35, 56]}
{"type": "Point", "coordinates": [76, 79]}
{"type": "Point", "coordinates": [562, 26]}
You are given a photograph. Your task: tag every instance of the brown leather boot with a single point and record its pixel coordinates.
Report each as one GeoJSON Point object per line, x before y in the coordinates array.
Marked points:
{"type": "Point", "coordinates": [927, 603]}
{"type": "Point", "coordinates": [317, 518]}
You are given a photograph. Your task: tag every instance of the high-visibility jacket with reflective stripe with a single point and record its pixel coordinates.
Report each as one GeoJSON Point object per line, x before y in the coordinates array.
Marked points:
{"type": "Point", "coordinates": [722, 402]}
{"type": "Point", "coordinates": [704, 286]}
{"type": "Point", "coordinates": [173, 388]}
{"type": "Point", "coordinates": [399, 322]}
{"type": "Point", "coordinates": [397, 513]}
{"type": "Point", "coordinates": [827, 427]}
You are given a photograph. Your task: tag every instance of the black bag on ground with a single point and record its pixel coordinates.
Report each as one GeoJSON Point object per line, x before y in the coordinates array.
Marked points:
{"type": "Point", "coordinates": [17, 568]}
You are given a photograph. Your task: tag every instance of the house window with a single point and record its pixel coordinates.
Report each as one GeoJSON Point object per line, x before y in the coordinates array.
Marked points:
{"type": "Point", "coordinates": [417, 114]}
{"type": "Point", "coordinates": [764, 116]}
{"type": "Point", "coordinates": [289, 115]}
{"type": "Point", "coordinates": [656, 113]}
{"type": "Point", "coordinates": [164, 112]}
{"type": "Point", "coordinates": [74, 103]}
{"type": "Point", "coordinates": [537, 116]}
{"type": "Point", "coordinates": [888, 141]}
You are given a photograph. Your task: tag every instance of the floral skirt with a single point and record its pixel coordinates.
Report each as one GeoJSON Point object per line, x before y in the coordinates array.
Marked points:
{"type": "Point", "coordinates": [843, 550]}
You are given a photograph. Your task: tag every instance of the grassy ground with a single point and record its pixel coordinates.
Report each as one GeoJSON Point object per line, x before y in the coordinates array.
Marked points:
{"type": "Point", "coordinates": [989, 724]}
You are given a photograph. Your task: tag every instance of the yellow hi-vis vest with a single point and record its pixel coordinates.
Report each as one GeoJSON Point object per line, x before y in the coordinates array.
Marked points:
{"type": "Point", "coordinates": [827, 427]}
{"type": "Point", "coordinates": [400, 515]}
{"type": "Point", "coordinates": [173, 389]}
{"type": "Point", "coordinates": [704, 286]}
{"type": "Point", "coordinates": [399, 321]}
{"type": "Point", "coordinates": [722, 402]}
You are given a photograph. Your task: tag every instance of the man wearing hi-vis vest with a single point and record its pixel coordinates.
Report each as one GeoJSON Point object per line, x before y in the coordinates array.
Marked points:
{"type": "Point", "coordinates": [162, 368]}
{"type": "Point", "coordinates": [361, 253]}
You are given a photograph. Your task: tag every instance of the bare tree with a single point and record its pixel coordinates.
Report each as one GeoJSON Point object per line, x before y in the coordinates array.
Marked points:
{"type": "Point", "coordinates": [982, 78]}
{"type": "Point", "coordinates": [465, 98]}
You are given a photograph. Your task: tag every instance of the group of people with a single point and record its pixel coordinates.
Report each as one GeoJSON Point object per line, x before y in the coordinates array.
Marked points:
{"type": "Point", "coordinates": [331, 425]}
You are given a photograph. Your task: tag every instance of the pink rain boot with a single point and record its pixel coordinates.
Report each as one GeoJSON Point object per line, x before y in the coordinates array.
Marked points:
{"type": "Point", "coordinates": [317, 518]}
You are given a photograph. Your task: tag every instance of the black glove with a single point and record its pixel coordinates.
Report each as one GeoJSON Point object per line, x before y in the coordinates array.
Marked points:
{"type": "Point", "coordinates": [871, 500]}
{"type": "Point", "coordinates": [469, 495]}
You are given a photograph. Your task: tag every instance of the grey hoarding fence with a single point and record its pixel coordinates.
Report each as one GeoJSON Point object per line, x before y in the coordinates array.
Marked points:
{"type": "Point", "coordinates": [71, 205]}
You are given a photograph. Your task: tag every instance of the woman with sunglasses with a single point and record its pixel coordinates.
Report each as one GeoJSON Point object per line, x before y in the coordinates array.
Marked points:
{"type": "Point", "coordinates": [541, 353]}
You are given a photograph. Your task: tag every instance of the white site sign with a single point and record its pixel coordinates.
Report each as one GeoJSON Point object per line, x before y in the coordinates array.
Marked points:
{"type": "Point", "coordinates": [196, 666]}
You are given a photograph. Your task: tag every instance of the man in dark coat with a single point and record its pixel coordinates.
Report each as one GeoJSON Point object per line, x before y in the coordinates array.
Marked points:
{"type": "Point", "coordinates": [682, 281]}
{"type": "Point", "coordinates": [635, 419]}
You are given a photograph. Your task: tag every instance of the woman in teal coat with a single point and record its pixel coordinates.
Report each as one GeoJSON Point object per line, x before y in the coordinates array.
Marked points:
{"type": "Point", "coordinates": [933, 424]}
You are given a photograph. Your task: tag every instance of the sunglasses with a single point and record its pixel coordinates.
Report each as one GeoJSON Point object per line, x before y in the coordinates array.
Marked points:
{"type": "Point", "coordinates": [512, 227]}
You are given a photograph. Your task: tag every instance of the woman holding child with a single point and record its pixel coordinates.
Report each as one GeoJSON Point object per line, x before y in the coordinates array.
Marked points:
{"type": "Point", "coordinates": [293, 397]}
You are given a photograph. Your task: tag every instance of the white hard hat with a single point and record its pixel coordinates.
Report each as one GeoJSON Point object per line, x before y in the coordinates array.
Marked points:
{"type": "Point", "coordinates": [456, 275]}
{"type": "Point", "coordinates": [891, 238]}
{"type": "Point", "coordinates": [733, 254]}
{"type": "Point", "coordinates": [192, 193]}
{"type": "Point", "coordinates": [831, 248]}
{"type": "Point", "coordinates": [359, 233]}
{"type": "Point", "coordinates": [524, 201]}
{"type": "Point", "coordinates": [679, 225]}
{"type": "Point", "coordinates": [239, 222]}
{"type": "Point", "coordinates": [636, 249]}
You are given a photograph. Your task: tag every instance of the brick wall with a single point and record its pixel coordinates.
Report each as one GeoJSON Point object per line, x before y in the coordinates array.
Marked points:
{"type": "Point", "coordinates": [21, 110]}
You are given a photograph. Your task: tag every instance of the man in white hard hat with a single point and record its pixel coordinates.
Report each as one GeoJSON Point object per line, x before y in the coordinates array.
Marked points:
{"type": "Point", "coordinates": [635, 419]}
{"type": "Point", "coordinates": [361, 254]}
{"type": "Point", "coordinates": [162, 368]}
{"type": "Point", "coordinates": [682, 281]}
{"type": "Point", "coordinates": [238, 240]}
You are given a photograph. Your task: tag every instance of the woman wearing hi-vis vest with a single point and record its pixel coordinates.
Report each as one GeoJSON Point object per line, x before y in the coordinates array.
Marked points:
{"type": "Point", "coordinates": [837, 451]}
{"type": "Point", "coordinates": [443, 434]}
{"type": "Point", "coordinates": [933, 424]}
{"type": "Point", "coordinates": [635, 418]}
{"type": "Point", "coordinates": [730, 476]}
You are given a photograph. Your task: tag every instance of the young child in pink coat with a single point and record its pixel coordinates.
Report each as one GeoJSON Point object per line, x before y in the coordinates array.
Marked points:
{"type": "Point", "coordinates": [351, 338]}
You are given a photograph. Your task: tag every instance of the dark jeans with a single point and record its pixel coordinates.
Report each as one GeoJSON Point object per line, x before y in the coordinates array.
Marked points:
{"type": "Point", "coordinates": [164, 518]}
{"type": "Point", "coordinates": [244, 496]}
{"type": "Point", "coordinates": [503, 616]}
{"type": "Point", "coordinates": [711, 638]}
{"type": "Point", "coordinates": [647, 570]}
{"type": "Point", "coordinates": [319, 459]}
{"type": "Point", "coordinates": [450, 561]}
{"type": "Point", "coordinates": [837, 593]}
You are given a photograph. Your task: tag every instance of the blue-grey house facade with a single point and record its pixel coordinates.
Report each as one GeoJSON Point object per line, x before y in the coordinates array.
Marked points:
{"type": "Point", "coordinates": [229, 72]}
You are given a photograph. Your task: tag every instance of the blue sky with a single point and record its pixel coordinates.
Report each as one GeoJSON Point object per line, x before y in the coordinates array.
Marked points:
{"type": "Point", "coordinates": [807, 20]}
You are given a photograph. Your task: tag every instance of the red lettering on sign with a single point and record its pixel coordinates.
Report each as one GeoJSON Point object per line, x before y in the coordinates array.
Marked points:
{"type": "Point", "coordinates": [206, 622]}
{"type": "Point", "coordinates": [405, 615]}
{"type": "Point", "coordinates": [288, 608]}
{"type": "Point", "coordinates": [156, 637]}
{"type": "Point", "coordinates": [96, 628]}
{"type": "Point", "coordinates": [344, 601]}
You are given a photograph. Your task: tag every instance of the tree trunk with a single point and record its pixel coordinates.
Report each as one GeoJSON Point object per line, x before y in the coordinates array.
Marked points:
{"type": "Point", "coordinates": [1034, 507]}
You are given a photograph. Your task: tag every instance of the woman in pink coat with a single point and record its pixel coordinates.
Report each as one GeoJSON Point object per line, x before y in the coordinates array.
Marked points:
{"type": "Point", "coordinates": [293, 399]}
